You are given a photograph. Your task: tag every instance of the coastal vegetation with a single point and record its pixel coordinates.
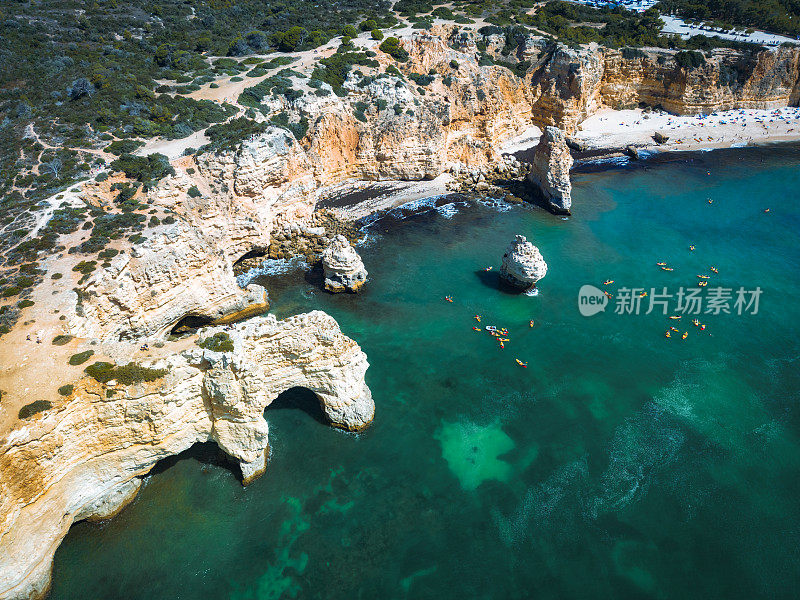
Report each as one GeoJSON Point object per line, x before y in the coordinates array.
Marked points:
{"type": "Point", "coordinates": [127, 374]}
{"type": "Point", "coordinates": [27, 411]}
{"type": "Point", "coordinates": [80, 358]}
{"type": "Point", "coordinates": [219, 342]}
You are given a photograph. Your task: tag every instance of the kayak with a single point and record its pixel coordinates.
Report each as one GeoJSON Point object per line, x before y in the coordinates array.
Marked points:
{"type": "Point", "coordinates": [521, 364]}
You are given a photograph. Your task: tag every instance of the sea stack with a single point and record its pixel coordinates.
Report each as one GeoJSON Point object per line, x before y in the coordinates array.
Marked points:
{"type": "Point", "coordinates": [344, 270]}
{"type": "Point", "coordinates": [523, 265]}
{"type": "Point", "coordinates": [550, 170]}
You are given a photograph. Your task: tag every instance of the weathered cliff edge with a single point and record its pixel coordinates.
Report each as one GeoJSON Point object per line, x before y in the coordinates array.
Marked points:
{"type": "Point", "coordinates": [86, 457]}
{"type": "Point", "coordinates": [458, 125]}
{"type": "Point", "coordinates": [550, 170]}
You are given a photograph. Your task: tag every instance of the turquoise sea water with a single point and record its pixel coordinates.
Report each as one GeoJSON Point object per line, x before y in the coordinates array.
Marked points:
{"type": "Point", "coordinates": [619, 464]}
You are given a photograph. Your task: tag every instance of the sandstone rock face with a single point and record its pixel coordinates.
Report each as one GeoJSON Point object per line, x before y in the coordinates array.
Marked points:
{"type": "Point", "coordinates": [550, 170]}
{"type": "Point", "coordinates": [729, 80]}
{"type": "Point", "coordinates": [273, 179]}
{"type": "Point", "coordinates": [344, 270]}
{"type": "Point", "coordinates": [85, 458]}
{"type": "Point", "coordinates": [523, 265]}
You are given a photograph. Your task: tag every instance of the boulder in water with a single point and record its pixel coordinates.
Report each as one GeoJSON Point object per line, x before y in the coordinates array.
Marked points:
{"type": "Point", "coordinates": [523, 265]}
{"type": "Point", "coordinates": [344, 270]}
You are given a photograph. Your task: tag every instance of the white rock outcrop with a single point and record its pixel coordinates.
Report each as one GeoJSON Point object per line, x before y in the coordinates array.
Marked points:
{"type": "Point", "coordinates": [85, 457]}
{"type": "Point", "coordinates": [550, 170]}
{"type": "Point", "coordinates": [523, 265]}
{"type": "Point", "coordinates": [343, 267]}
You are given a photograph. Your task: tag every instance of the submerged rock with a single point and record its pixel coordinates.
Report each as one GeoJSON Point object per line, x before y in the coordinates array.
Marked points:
{"type": "Point", "coordinates": [523, 265]}
{"type": "Point", "coordinates": [550, 170]}
{"type": "Point", "coordinates": [344, 270]}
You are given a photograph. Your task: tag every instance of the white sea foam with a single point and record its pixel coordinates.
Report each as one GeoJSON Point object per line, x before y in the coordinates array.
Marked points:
{"type": "Point", "coordinates": [496, 204]}
{"type": "Point", "coordinates": [532, 292]}
{"type": "Point", "coordinates": [271, 267]}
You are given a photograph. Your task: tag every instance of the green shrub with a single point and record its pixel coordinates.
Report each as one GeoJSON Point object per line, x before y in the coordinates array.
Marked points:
{"type": "Point", "coordinates": [219, 342]}
{"type": "Point", "coordinates": [147, 169]}
{"type": "Point", "coordinates": [392, 47]}
{"type": "Point", "coordinates": [228, 136]}
{"type": "Point", "coordinates": [85, 267]}
{"type": "Point", "coordinates": [25, 303]}
{"type": "Point", "coordinates": [376, 34]}
{"type": "Point", "coordinates": [123, 147]}
{"type": "Point", "coordinates": [194, 192]}
{"type": "Point", "coordinates": [66, 390]}
{"type": "Point", "coordinates": [298, 130]}
{"type": "Point", "coordinates": [62, 340]}
{"type": "Point", "coordinates": [690, 59]}
{"type": "Point", "coordinates": [33, 408]}
{"type": "Point", "coordinates": [125, 374]}
{"type": "Point", "coordinates": [421, 79]}
{"type": "Point", "coordinates": [80, 358]}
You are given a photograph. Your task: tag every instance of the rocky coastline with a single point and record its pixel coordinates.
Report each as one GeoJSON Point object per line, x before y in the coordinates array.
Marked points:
{"type": "Point", "coordinates": [84, 457]}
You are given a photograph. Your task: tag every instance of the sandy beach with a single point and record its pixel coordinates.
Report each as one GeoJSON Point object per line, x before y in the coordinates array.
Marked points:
{"type": "Point", "coordinates": [614, 129]}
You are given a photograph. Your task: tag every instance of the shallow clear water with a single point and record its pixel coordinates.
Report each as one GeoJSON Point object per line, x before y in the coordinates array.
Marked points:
{"type": "Point", "coordinates": [619, 464]}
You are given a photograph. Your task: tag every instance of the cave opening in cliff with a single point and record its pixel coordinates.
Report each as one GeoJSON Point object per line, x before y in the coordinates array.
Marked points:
{"type": "Point", "coordinates": [190, 324]}
{"type": "Point", "coordinates": [248, 260]}
{"type": "Point", "coordinates": [300, 399]}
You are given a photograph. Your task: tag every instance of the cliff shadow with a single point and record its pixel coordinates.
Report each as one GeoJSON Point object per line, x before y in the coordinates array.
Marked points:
{"type": "Point", "coordinates": [315, 275]}
{"type": "Point", "coordinates": [491, 279]}
{"type": "Point", "coordinates": [300, 399]}
{"type": "Point", "coordinates": [208, 454]}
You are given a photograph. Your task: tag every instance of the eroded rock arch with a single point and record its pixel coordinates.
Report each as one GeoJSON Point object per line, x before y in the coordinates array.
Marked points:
{"type": "Point", "coordinates": [85, 458]}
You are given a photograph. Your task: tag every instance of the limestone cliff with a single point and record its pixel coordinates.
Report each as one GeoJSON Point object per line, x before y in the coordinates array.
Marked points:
{"type": "Point", "coordinates": [728, 80]}
{"type": "Point", "coordinates": [86, 456]}
{"type": "Point", "coordinates": [550, 170]}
